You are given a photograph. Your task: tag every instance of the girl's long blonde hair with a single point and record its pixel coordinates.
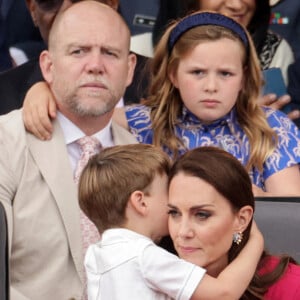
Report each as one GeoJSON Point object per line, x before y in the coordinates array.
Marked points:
{"type": "Point", "coordinates": [166, 104]}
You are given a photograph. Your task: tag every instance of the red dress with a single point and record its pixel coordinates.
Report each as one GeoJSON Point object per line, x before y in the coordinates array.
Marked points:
{"type": "Point", "coordinates": [288, 286]}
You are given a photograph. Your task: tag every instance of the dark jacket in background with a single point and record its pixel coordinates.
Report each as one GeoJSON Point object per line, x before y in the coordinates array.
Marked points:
{"type": "Point", "coordinates": [17, 30]}
{"type": "Point", "coordinates": [285, 20]}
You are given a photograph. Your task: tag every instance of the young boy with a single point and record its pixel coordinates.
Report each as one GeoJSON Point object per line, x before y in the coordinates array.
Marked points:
{"type": "Point", "coordinates": [124, 191]}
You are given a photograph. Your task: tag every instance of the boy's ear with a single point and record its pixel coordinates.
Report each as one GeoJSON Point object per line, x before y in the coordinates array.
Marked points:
{"type": "Point", "coordinates": [137, 201]}
{"type": "Point", "coordinates": [244, 216]}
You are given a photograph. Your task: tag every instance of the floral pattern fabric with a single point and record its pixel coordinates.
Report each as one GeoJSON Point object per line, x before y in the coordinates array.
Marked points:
{"type": "Point", "coordinates": [226, 134]}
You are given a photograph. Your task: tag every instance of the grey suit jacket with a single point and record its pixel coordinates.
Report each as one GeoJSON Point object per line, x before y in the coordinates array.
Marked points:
{"type": "Point", "coordinates": [40, 200]}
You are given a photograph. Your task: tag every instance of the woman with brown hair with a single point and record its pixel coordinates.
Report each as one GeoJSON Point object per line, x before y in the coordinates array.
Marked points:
{"type": "Point", "coordinates": [211, 207]}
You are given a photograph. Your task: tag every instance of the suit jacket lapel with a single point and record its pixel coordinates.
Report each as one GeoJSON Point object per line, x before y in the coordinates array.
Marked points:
{"type": "Point", "coordinates": [54, 164]}
{"type": "Point", "coordinates": [122, 136]}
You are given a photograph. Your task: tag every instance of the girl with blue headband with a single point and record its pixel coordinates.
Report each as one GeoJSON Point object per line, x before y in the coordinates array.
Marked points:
{"type": "Point", "coordinates": [273, 51]}
{"type": "Point", "coordinates": [206, 81]}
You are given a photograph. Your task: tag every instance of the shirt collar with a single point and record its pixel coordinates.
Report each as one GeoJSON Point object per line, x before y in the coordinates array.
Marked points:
{"type": "Point", "coordinates": [72, 133]}
{"type": "Point", "coordinates": [189, 119]}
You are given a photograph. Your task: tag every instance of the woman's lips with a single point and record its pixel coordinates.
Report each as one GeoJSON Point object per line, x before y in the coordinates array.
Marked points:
{"type": "Point", "coordinates": [187, 250]}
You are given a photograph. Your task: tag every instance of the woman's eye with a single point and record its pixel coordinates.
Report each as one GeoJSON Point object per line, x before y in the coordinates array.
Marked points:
{"type": "Point", "coordinates": [203, 215]}
{"type": "Point", "coordinates": [173, 213]}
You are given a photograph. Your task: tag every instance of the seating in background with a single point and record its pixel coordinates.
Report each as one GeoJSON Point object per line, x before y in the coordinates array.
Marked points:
{"type": "Point", "coordinates": [279, 220]}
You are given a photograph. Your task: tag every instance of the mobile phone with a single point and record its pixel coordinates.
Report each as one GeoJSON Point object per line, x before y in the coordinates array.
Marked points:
{"type": "Point", "coordinates": [274, 82]}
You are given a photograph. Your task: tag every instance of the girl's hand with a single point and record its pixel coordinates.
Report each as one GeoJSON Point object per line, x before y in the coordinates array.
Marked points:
{"type": "Point", "coordinates": [38, 108]}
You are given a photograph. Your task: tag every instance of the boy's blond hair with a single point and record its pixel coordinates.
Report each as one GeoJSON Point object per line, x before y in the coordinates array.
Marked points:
{"type": "Point", "coordinates": [111, 176]}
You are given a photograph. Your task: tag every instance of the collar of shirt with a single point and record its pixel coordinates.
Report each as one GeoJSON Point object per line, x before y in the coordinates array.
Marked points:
{"type": "Point", "coordinates": [189, 120]}
{"type": "Point", "coordinates": [72, 133]}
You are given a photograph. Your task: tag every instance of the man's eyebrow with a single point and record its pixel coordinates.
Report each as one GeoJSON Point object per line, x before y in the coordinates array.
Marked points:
{"type": "Point", "coordinates": [90, 45]}
{"type": "Point", "coordinates": [111, 48]}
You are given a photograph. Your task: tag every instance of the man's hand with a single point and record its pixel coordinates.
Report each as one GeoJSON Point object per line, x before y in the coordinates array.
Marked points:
{"type": "Point", "coordinates": [272, 101]}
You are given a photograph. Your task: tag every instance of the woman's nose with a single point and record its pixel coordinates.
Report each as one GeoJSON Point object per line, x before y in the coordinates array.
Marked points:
{"type": "Point", "coordinates": [234, 4]}
{"type": "Point", "coordinates": [185, 229]}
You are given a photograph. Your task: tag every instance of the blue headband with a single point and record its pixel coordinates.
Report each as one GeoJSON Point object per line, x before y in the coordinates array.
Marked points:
{"type": "Point", "coordinates": [205, 18]}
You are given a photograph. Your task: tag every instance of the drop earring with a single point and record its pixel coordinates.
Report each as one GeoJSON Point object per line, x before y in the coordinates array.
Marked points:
{"type": "Point", "coordinates": [237, 237]}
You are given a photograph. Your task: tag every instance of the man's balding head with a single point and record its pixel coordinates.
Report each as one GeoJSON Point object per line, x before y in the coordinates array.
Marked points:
{"type": "Point", "coordinates": [83, 12]}
{"type": "Point", "coordinates": [43, 12]}
{"type": "Point", "coordinates": [88, 64]}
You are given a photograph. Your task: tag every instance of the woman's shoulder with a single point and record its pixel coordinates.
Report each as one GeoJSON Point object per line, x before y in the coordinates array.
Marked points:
{"type": "Point", "coordinates": [288, 285]}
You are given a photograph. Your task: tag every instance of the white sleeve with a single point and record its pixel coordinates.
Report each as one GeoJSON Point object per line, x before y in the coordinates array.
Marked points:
{"type": "Point", "coordinates": [92, 272]}
{"type": "Point", "coordinates": [166, 272]}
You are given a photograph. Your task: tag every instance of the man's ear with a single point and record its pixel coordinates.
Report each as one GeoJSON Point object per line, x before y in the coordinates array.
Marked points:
{"type": "Point", "coordinates": [131, 67]}
{"type": "Point", "coordinates": [137, 201]}
{"type": "Point", "coordinates": [46, 66]}
{"type": "Point", "coordinates": [243, 218]}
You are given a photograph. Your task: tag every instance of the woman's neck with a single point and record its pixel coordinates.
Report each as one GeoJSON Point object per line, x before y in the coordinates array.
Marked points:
{"type": "Point", "coordinates": [215, 268]}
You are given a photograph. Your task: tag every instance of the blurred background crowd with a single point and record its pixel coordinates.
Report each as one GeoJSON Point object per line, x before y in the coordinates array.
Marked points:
{"type": "Point", "coordinates": [20, 39]}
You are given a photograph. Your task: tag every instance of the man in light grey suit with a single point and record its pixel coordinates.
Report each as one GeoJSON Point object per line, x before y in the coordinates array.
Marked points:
{"type": "Point", "coordinates": [87, 66]}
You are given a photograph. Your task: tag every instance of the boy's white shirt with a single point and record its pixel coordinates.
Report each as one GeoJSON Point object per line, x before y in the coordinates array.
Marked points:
{"type": "Point", "coordinates": [127, 265]}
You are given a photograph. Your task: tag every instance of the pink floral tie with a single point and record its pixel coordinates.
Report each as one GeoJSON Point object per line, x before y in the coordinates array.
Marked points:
{"type": "Point", "coordinates": [90, 235]}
